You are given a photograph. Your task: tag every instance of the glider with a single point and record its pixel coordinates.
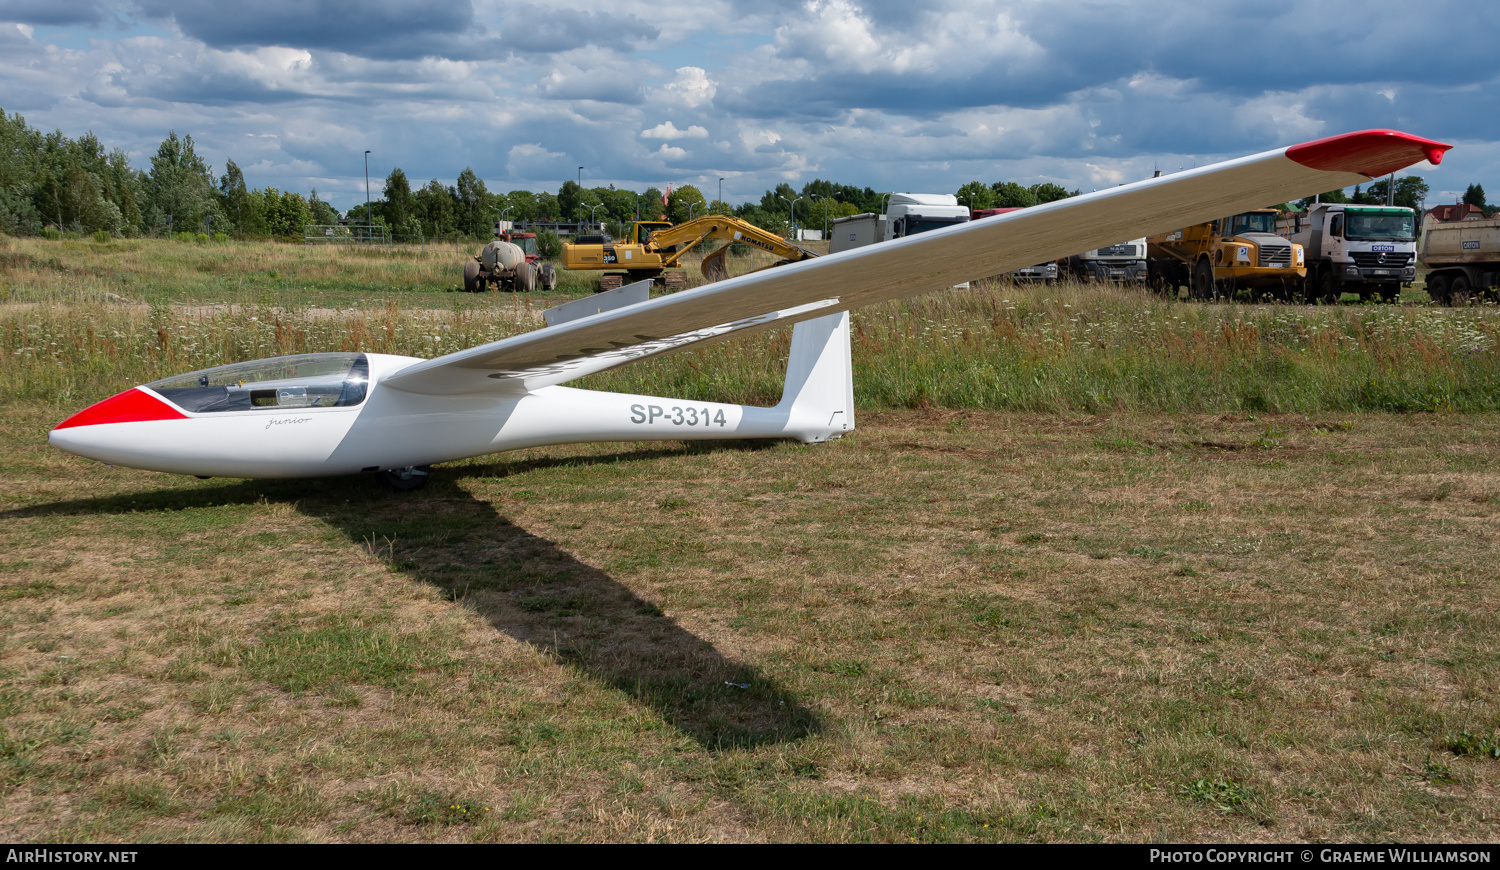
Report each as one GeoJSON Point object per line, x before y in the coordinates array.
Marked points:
{"type": "Point", "coordinates": [325, 414]}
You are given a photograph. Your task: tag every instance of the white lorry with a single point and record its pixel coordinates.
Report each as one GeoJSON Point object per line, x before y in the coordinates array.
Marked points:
{"type": "Point", "coordinates": [1366, 249]}
{"type": "Point", "coordinates": [906, 214]}
{"type": "Point", "coordinates": [1462, 259]}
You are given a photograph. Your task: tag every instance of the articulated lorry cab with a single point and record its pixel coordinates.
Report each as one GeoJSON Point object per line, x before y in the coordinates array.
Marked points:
{"type": "Point", "coordinates": [1124, 263]}
{"type": "Point", "coordinates": [1462, 259]}
{"type": "Point", "coordinates": [1366, 249]}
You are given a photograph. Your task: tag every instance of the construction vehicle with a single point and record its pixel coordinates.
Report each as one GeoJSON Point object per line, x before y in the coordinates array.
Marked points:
{"type": "Point", "coordinates": [1462, 259]}
{"type": "Point", "coordinates": [520, 270]}
{"type": "Point", "coordinates": [1366, 249]}
{"type": "Point", "coordinates": [1222, 257]}
{"type": "Point", "coordinates": [655, 248]}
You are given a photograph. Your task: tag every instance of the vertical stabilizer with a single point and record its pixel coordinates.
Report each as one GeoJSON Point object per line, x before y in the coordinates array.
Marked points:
{"type": "Point", "coordinates": [818, 399]}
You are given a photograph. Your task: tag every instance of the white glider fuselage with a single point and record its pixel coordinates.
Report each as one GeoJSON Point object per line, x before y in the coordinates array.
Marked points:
{"type": "Point", "coordinates": [391, 428]}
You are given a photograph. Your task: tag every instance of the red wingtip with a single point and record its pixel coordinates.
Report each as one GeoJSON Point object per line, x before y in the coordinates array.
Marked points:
{"type": "Point", "coordinates": [1368, 152]}
{"type": "Point", "coordinates": [131, 406]}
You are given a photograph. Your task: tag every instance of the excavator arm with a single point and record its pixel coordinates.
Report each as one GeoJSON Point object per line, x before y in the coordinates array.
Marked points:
{"type": "Point", "coordinates": [690, 234]}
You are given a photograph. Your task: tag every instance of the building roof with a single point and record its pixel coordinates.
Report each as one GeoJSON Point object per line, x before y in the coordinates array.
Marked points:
{"type": "Point", "coordinates": [1461, 212]}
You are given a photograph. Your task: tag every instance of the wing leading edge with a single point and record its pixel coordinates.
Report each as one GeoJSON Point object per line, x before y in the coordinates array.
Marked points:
{"type": "Point", "coordinates": [914, 265]}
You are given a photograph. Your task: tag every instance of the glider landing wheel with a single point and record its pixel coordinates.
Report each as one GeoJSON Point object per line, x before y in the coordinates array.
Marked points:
{"type": "Point", "coordinates": [408, 479]}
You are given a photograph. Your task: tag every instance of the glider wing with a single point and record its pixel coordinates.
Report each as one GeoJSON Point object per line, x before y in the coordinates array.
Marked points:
{"type": "Point", "coordinates": [914, 265]}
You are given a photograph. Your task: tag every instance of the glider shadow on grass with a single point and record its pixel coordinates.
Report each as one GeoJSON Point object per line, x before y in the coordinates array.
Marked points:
{"type": "Point", "coordinates": [527, 587]}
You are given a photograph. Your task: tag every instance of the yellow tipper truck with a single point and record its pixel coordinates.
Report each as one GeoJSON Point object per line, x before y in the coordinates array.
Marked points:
{"type": "Point", "coordinates": [1222, 257]}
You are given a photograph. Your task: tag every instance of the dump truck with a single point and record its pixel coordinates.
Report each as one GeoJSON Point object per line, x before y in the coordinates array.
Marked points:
{"type": "Point", "coordinates": [1462, 259]}
{"type": "Point", "coordinates": [654, 248]}
{"type": "Point", "coordinates": [519, 271]}
{"type": "Point", "coordinates": [1366, 249]}
{"type": "Point", "coordinates": [1222, 257]}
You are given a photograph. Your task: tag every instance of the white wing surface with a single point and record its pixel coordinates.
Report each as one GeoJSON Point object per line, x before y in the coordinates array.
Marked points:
{"type": "Point", "coordinates": [923, 263]}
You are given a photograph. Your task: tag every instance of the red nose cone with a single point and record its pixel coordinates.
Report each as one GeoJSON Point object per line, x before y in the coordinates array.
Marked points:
{"type": "Point", "coordinates": [1368, 152]}
{"type": "Point", "coordinates": [131, 406]}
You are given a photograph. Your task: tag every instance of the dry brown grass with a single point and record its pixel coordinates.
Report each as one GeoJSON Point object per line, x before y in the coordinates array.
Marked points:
{"type": "Point", "coordinates": [953, 626]}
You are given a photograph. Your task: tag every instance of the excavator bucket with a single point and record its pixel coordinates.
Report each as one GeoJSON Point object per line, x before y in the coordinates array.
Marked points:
{"type": "Point", "coordinates": [714, 267]}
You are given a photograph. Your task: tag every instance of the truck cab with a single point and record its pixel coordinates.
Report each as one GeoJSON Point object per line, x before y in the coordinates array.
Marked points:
{"type": "Point", "coordinates": [1366, 249]}
{"type": "Point", "coordinates": [907, 214]}
{"type": "Point", "coordinates": [1123, 263]}
{"type": "Point", "coordinates": [1225, 256]}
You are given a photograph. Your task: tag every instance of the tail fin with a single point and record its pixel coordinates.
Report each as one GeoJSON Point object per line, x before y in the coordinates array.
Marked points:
{"type": "Point", "coordinates": [819, 395]}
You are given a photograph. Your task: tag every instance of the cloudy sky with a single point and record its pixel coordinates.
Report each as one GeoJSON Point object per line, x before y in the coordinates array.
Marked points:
{"type": "Point", "coordinates": [893, 94]}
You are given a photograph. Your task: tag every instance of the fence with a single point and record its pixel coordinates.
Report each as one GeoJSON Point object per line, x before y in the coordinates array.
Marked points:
{"type": "Point", "coordinates": [346, 234]}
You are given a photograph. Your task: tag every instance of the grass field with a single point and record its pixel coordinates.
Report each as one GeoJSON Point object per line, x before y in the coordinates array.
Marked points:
{"type": "Point", "coordinates": [1179, 611]}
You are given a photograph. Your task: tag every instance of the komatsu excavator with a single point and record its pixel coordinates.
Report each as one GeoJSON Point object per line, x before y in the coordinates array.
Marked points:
{"type": "Point", "coordinates": [655, 248]}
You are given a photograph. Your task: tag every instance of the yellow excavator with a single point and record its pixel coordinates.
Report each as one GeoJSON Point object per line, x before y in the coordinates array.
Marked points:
{"type": "Point", "coordinates": [655, 248]}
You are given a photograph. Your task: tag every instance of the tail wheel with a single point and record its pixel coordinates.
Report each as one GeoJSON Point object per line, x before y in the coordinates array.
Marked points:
{"type": "Point", "coordinates": [1459, 290]}
{"type": "Point", "coordinates": [714, 267]}
{"type": "Point", "coordinates": [408, 479]}
{"type": "Point", "coordinates": [472, 284]}
{"type": "Point", "coordinates": [525, 278]}
{"type": "Point", "coordinates": [1203, 280]}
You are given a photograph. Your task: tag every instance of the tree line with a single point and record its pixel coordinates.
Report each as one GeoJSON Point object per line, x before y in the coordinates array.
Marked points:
{"type": "Point", "coordinates": [48, 181]}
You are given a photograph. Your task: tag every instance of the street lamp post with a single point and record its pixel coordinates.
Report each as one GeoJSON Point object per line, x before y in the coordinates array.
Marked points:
{"type": "Point", "coordinates": [721, 193]}
{"type": "Point", "coordinates": [792, 208]}
{"type": "Point", "coordinates": [368, 223]}
{"type": "Point", "coordinates": [580, 193]}
{"type": "Point", "coordinates": [691, 206]}
{"type": "Point", "coordinates": [594, 209]}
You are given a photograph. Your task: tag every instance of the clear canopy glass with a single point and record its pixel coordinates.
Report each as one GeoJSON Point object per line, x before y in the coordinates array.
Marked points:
{"type": "Point", "coordinates": [310, 380]}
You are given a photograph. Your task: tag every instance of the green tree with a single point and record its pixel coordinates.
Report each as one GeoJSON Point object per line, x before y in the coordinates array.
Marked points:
{"type": "Point", "coordinates": [975, 194]}
{"type": "Point", "coordinates": [686, 201]}
{"type": "Point", "coordinates": [322, 212]}
{"type": "Point", "coordinates": [180, 185]}
{"type": "Point", "coordinates": [651, 203]}
{"type": "Point", "coordinates": [471, 202]}
{"type": "Point", "coordinates": [1410, 192]}
{"type": "Point", "coordinates": [234, 201]}
{"type": "Point", "coordinates": [1333, 196]}
{"type": "Point", "coordinates": [1050, 192]}
{"type": "Point", "coordinates": [568, 200]}
{"type": "Point", "coordinates": [1474, 195]}
{"type": "Point", "coordinates": [436, 208]}
{"type": "Point", "coordinates": [397, 197]}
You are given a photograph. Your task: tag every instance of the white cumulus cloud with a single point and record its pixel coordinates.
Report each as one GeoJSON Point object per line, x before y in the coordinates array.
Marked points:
{"type": "Point", "coordinates": [669, 131]}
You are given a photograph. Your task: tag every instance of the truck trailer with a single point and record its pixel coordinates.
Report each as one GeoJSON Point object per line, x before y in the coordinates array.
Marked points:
{"type": "Point", "coordinates": [1462, 259]}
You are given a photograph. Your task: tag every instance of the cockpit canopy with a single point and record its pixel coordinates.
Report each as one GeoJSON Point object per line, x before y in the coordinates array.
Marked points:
{"type": "Point", "coordinates": [310, 380]}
